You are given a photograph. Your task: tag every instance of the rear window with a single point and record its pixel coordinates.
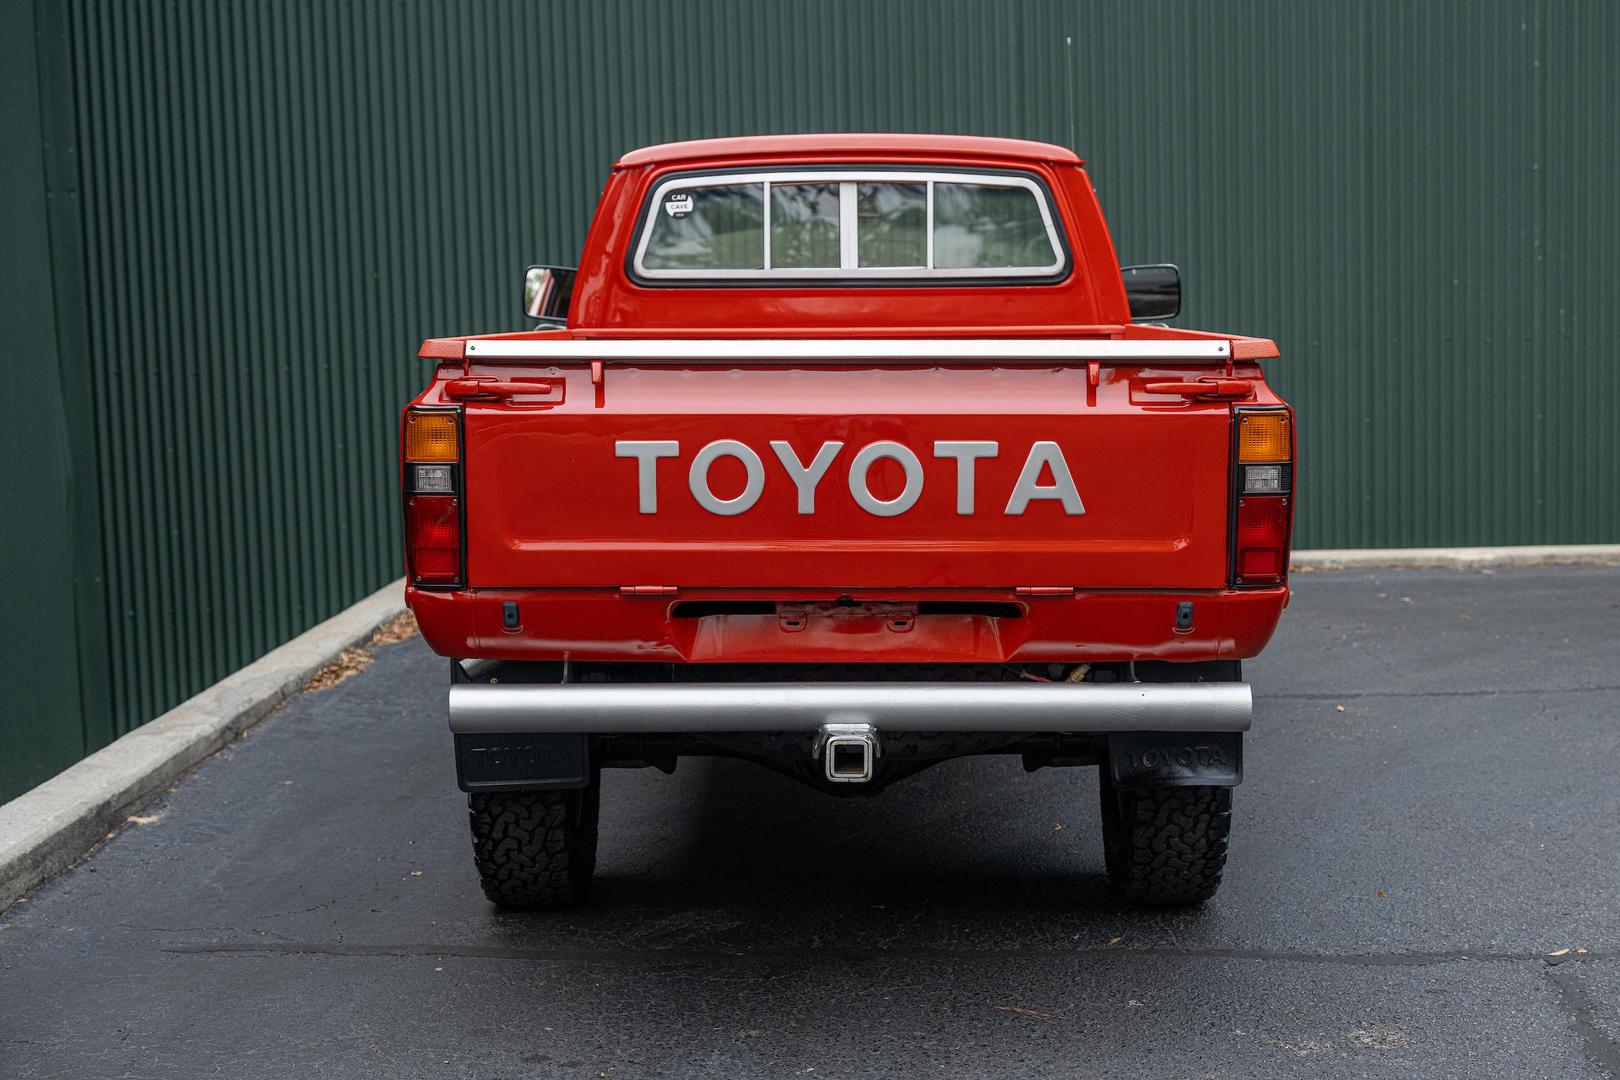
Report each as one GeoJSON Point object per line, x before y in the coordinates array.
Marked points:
{"type": "Point", "coordinates": [855, 225]}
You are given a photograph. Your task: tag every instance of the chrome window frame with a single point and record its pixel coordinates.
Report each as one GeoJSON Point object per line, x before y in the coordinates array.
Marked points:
{"type": "Point", "coordinates": [850, 270]}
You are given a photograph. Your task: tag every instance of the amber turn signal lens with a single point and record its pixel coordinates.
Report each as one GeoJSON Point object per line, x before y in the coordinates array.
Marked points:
{"type": "Point", "coordinates": [430, 436]}
{"type": "Point", "coordinates": [1264, 436]}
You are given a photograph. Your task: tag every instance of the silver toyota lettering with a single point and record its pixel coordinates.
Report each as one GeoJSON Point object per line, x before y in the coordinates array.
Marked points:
{"type": "Point", "coordinates": [698, 478]}
{"type": "Point", "coordinates": [870, 455]}
{"type": "Point", "coordinates": [966, 455]}
{"type": "Point", "coordinates": [1062, 487]}
{"type": "Point", "coordinates": [1043, 456]}
{"type": "Point", "coordinates": [646, 455]}
{"type": "Point", "coordinates": [806, 477]}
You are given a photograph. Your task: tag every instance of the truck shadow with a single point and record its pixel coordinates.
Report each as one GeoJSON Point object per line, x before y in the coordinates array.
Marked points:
{"type": "Point", "coordinates": [959, 842]}
{"type": "Point", "coordinates": [968, 902]}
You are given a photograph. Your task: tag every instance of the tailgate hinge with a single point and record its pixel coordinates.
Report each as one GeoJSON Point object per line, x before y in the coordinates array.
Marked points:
{"type": "Point", "coordinates": [1044, 590]}
{"type": "Point", "coordinates": [649, 590]}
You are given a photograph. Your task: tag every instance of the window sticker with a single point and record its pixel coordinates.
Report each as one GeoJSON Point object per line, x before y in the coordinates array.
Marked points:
{"type": "Point", "coordinates": [716, 227]}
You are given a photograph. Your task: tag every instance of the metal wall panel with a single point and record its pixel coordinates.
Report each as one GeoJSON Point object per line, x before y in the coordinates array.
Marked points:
{"type": "Point", "coordinates": [280, 200]}
{"type": "Point", "coordinates": [40, 702]}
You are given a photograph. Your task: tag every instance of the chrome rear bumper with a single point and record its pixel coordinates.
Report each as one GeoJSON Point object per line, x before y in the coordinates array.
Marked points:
{"type": "Point", "coordinates": [690, 708]}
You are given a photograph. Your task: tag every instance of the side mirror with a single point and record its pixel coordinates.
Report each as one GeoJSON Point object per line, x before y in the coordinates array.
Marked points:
{"type": "Point", "coordinates": [1154, 291]}
{"type": "Point", "coordinates": [546, 292]}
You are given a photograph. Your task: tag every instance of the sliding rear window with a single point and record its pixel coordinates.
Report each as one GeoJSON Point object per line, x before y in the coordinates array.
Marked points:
{"type": "Point", "coordinates": [850, 225]}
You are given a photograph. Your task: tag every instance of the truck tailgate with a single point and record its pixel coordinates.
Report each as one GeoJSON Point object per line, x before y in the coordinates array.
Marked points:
{"type": "Point", "coordinates": [554, 500]}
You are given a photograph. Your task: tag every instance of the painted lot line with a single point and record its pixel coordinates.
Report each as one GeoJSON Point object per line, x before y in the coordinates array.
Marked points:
{"type": "Point", "coordinates": [1428, 813]}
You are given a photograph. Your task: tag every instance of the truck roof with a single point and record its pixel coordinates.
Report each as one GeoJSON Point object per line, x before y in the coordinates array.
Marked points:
{"type": "Point", "coordinates": [766, 145]}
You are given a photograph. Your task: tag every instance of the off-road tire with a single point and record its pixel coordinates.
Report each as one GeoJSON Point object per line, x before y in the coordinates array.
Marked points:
{"type": "Point", "coordinates": [1165, 846]}
{"type": "Point", "coordinates": [535, 849]}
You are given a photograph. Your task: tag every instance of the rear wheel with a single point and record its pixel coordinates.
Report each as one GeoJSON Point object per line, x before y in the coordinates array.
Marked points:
{"type": "Point", "coordinates": [535, 849]}
{"type": "Point", "coordinates": [1165, 846]}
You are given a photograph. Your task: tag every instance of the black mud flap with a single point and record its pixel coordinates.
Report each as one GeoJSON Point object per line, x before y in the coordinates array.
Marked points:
{"type": "Point", "coordinates": [521, 762]}
{"type": "Point", "coordinates": [1148, 759]}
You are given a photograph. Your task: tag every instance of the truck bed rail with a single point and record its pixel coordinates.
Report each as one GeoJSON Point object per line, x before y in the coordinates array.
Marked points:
{"type": "Point", "coordinates": [845, 349]}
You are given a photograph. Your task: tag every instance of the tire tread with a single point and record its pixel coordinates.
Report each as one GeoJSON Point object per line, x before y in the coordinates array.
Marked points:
{"type": "Point", "coordinates": [1168, 845]}
{"type": "Point", "coordinates": [534, 849]}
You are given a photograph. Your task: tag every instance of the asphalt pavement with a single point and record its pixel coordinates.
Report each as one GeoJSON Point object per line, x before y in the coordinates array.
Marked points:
{"type": "Point", "coordinates": [1430, 816]}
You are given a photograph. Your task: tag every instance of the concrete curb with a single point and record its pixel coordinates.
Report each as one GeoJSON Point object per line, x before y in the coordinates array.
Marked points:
{"type": "Point", "coordinates": [1465, 558]}
{"type": "Point", "coordinates": [46, 830]}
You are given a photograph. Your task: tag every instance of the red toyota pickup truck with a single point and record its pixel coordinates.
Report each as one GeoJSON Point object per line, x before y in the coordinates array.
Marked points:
{"type": "Point", "coordinates": [848, 455]}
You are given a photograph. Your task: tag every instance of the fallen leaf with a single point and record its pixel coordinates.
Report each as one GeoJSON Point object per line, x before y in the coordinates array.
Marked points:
{"type": "Point", "coordinates": [1044, 1017]}
{"type": "Point", "coordinates": [137, 819]}
{"type": "Point", "coordinates": [343, 667]}
{"type": "Point", "coordinates": [395, 630]}
{"type": "Point", "coordinates": [416, 873]}
{"type": "Point", "coordinates": [1560, 952]}
{"type": "Point", "coordinates": [1338, 708]}
{"type": "Point", "coordinates": [1380, 892]}
{"type": "Point", "coordinates": [1115, 940]}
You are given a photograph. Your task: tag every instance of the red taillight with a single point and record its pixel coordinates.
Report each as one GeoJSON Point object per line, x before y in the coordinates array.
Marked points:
{"type": "Point", "coordinates": [1263, 488]}
{"type": "Point", "coordinates": [431, 448]}
{"type": "Point", "coordinates": [433, 538]}
{"type": "Point", "coordinates": [1262, 540]}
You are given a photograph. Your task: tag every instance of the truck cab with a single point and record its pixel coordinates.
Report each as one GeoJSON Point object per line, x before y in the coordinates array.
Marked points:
{"type": "Point", "coordinates": [847, 455]}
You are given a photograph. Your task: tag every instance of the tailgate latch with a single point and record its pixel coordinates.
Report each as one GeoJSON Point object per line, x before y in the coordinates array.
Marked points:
{"type": "Point", "coordinates": [1206, 389]}
{"type": "Point", "coordinates": [488, 388]}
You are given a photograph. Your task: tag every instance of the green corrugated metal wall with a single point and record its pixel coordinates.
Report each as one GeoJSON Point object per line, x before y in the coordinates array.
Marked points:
{"type": "Point", "coordinates": [258, 209]}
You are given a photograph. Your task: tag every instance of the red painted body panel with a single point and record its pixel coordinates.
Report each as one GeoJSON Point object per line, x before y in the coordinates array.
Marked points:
{"type": "Point", "coordinates": [552, 515]}
{"type": "Point", "coordinates": [1150, 469]}
{"type": "Point", "coordinates": [1090, 627]}
{"type": "Point", "coordinates": [893, 147]}
{"type": "Point", "coordinates": [607, 298]}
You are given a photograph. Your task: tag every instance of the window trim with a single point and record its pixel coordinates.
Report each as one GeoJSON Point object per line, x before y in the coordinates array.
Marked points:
{"type": "Point", "coordinates": [848, 177]}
